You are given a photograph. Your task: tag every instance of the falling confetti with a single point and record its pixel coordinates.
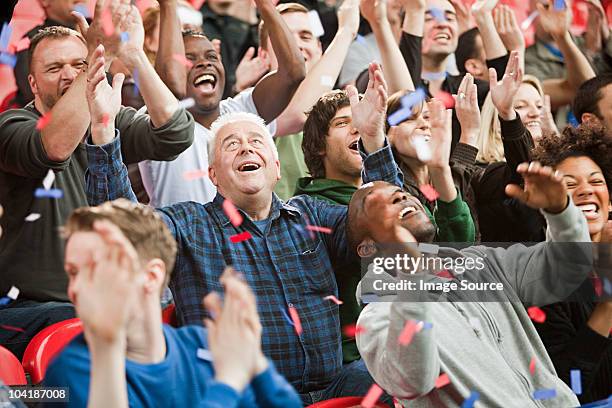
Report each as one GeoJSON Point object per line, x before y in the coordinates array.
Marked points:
{"type": "Point", "coordinates": [316, 228]}
{"type": "Point", "coordinates": [360, 39]}
{"type": "Point", "coordinates": [429, 192]}
{"type": "Point", "coordinates": [421, 325]}
{"type": "Point", "coordinates": [532, 366]}
{"type": "Point", "coordinates": [333, 299]}
{"type": "Point", "coordinates": [544, 394]}
{"type": "Point", "coordinates": [32, 217]}
{"type": "Point", "coordinates": [315, 23]}
{"type": "Point", "coordinates": [471, 400]}
{"type": "Point", "coordinates": [597, 285]}
{"type": "Point", "coordinates": [183, 60]}
{"type": "Point", "coordinates": [125, 36]}
{"type": "Point", "coordinates": [51, 193]}
{"type": "Point", "coordinates": [12, 328]}
{"type": "Point", "coordinates": [374, 393]}
{"type": "Point", "coordinates": [559, 5]}
{"type": "Point", "coordinates": [445, 274]}
{"type": "Point", "coordinates": [232, 213]}
{"type": "Point", "coordinates": [407, 333]}
{"type": "Point", "coordinates": [352, 330]}
{"type": "Point", "coordinates": [204, 354]}
{"type": "Point", "coordinates": [442, 380]}
{"type": "Point", "coordinates": [13, 293]}
{"type": "Point", "coordinates": [437, 14]}
{"type": "Point", "coordinates": [446, 98]}
{"type": "Point", "coordinates": [399, 116]}
{"type": "Point", "coordinates": [243, 236]}
{"type": "Point", "coordinates": [194, 174]}
{"type": "Point", "coordinates": [576, 381]}
{"type": "Point", "coordinates": [48, 180]}
{"type": "Point", "coordinates": [536, 314]}
{"type": "Point", "coordinates": [529, 20]}
{"type": "Point", "coordinates": [83, 10]}
{"type": "Point", "coordinates": [43, 121]}
{"type": "Point", "coordinates": [8, 59]}
{"type": "Point", "coordinates": [5, 36]}
{"type": "Point", "coordinates": [295, 318]}
{"type": "Point", "coordinates": [187, 103]}
{"type": "Point", "coordinates": [107, 22]}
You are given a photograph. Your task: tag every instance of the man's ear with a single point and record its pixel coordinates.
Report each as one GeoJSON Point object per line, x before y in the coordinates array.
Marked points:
{"type": "Point", "coordinates": [278, 169]}
{"type": "Point", "coordinates": [154, 276]}
{"type": "Point", "coordinates": [366, 248]}
{"type": "Point", "coordinates": [474, 67]}
{"type": "Point", "coordinates": [32, 83]}
{"type": "Point", "coordinates": [213, 176]}
{"type": "Point", "coordinates": [589, 117]}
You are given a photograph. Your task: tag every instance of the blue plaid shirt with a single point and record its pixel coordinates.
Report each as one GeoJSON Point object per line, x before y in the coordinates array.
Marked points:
{"type": "Point", "coordinates": [284, 264]}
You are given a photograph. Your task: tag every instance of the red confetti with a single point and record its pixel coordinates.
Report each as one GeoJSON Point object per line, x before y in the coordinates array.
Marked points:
{"type": "Point", "coordinates": [107, 22]}
{"type": "Point", "coordinates": [446, 98]}
{"type": "Point", "coordinates": [105, 119]}
{"type": "Point", "coordinates": [532, 365]}
{"type": "Point", "coordinates": [296, 320]}
{"type": "Point", "coordinates": [324, 230]}
{"type": "Point", "coordinates": [445, 274]}
{"type": "Point", "coordinates": [243, 236]}
{"type": "Point", "coordinates": [197, 4]}
{"type": "Point", "coordinates": [372, 396]}
{"type": "Point", "coordinates": [351, 330]}
{"type": "Point", "coordinates": [442, 380]}
{"type": "Point", "coordinates": [407, 333]}
{"type": "Point", "coordinates": [232, 213]}
{"type": "Point", "coordinates": [429, 192]}
{"type": "Point", "coordinates": [183, 60]}
{"type": "Point", "coordinates": [597, 285]}
{"type": "Point", "coordinates": [43, 121]}
{"type": "Point", "coordinates": [536, 314]}
{"type": "Point", "coordinates": [333, 299]}
{"type": "Point", "coordinates": [194, 174]}
{"type": "Point", "coordinates": [12, 328]}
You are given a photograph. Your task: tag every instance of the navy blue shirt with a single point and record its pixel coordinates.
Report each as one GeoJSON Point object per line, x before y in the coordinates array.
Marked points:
{"type": "Point", "coordinates": [184, 379]}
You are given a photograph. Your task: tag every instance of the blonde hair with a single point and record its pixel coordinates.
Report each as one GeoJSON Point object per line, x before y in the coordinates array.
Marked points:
{"type": "Point", "coordinates": [489, 143]}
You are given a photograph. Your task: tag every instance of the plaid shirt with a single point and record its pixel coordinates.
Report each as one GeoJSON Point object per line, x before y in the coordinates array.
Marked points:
{"type": "Point", "coordinates": [285, 265]}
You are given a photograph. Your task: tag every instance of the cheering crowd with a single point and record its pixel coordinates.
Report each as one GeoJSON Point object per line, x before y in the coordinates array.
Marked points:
{"type": "Point", "coordinates": [244, 161]}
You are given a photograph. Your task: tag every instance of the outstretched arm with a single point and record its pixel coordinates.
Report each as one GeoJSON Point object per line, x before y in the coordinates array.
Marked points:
{"type": "Point", "coordinates": [493, 46]}
{"type": "Point", "coordinates": [322, 77]}
{"type": "Point", "coordinates": [274, 92]}
{"type": "Point", "coordinates": [170, 68]}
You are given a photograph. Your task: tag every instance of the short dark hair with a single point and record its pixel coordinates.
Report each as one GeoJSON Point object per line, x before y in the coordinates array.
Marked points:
{"type": "Point", "coordinates": [467, 48]}
{"type": "Point", "coordinates": [590, 139]}
{"type": "Point", "coordinates": [53, 32]}
{"type": "Point", "coordinates": [588, 96]}
{"type": "Point", "coordinates": [316, 128]}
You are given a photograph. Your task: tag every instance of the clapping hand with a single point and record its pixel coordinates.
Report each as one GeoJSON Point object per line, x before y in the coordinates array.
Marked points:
{"type": "Point", "coordinates": [504, 91]}
{"type": "Point", "coordinates": [544, 188]}
{"type": "Point", "coordinates": [468, 112]}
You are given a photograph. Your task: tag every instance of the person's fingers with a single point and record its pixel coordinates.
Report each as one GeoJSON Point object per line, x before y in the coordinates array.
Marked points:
{"type": "Point", "coordinates": [492, 78]}
{"type": "Point", "coordinates": [534, 167]}
{"type": "Point", "coordinates": [380, 78]}
{"type": "Point", "coordinates": [98, 9]}
{"type": "Point", "coordinates": [514, 191]}
{"type": "Point", "coordinates": [118, 82]}
{"type": "Point", "coordinates": [81, 23]}
{"type": "Point", "coordinates": [214, 304]}
{"type": "Point", "coordinates": [98, 77]}
{"type": "Point", "coordinates": [462, 85]}
{"type": "Point", "coordinates": [474, 96]}
{"type": "Point", "coordinates": [248, 55]}
{"type": "Point", "coordinates": [353, 96]}
{"type": "Point", "coordinates": [522, 168]}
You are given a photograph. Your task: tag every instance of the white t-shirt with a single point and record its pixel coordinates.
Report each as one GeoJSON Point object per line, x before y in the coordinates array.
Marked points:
{"type": "Point", "coordinates": [168, 183]}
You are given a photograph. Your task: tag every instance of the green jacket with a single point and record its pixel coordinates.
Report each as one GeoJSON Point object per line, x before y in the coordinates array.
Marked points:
{"type": "Point", "coordinates": [454, 224]}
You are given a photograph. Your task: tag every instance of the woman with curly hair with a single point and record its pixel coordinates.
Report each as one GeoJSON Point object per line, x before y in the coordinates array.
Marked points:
{"type": "Point", "coordinates": [577, 333]}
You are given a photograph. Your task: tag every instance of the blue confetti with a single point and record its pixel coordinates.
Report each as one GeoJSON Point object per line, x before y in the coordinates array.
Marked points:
{"type": "Point", "coordinates": [437, 14]}
{"type": "Point", "coordinates": [361, 39]}
{"type": "Point", "coordinates": [8, 59]}
{"type": "Point", "coordinates": [5, 36]}
{"type": "Point", "coordinates": [82, 9]}
{"type": "Point", "coordinates": [434, 76]}
{"type": "Point", "coordinates": [286, 316]}
{"type": "Point", "coordinates": [136, 83]}
{"type": "Point", "coordinates": [413, 98]}
{"type": "Point", "coordinates": [607, 286]}
{"type": "Point", "coordinates": [125, 36]}
{"type": "Point", "coordinates": [51, 193]}
{"type": "Point", "coordinates": [399, 116]}
{"type": "Point", "coordinates": [369, 298]}
{"type": "Point", "coordinates": [204, 354]}
{"type": "Point", "coordinates": [5, 300]}
{"type": "Point", "coordinates": [576, 381]}
{"type": "Point", "coordinates": [545, 394]}
{"type": "Point", "coordinates": [559, 4]}
{"type": "Point", "coordinates": [469, 401]}
{"type": "Point", "coordinates": [426, 325]}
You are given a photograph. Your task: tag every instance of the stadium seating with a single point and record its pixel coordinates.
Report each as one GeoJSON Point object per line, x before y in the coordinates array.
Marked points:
{"type": "Point", "coordinates": [11, 371]}
{"type": "Point", "coordinates": [46, 344]}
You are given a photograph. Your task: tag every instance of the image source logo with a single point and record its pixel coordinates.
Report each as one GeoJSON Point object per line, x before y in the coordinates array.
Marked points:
{"type": "Point", "coordinates": [409, 264]}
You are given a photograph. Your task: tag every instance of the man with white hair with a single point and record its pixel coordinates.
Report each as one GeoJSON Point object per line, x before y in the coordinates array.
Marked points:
{"type": "Point", "coordinates": [281, 248]}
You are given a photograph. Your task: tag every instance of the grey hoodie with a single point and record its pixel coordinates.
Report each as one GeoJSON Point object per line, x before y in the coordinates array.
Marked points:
{"type": "Point", "coordinates": [483, 347]}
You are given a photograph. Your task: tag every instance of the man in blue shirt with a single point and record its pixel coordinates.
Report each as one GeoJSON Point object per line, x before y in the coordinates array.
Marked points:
{"type": "Point", "coordinates": [118, 258]}
{"type": "Point", "coordinates": [288, 266]}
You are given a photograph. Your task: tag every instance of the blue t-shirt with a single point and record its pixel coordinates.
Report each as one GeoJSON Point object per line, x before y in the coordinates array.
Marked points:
{"type": "Point", "coordinates": [184, 379]}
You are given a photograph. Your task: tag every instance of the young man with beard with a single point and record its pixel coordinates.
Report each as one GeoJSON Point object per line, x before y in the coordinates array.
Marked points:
{"type": "Point", "coordinates": [43, 146]}
{"type": "Point", "coordinates": [483, 347]}
{"type": "Point", "coordinates": [203, 80]}
{"type": "Point", "coordinates": [289, 269]}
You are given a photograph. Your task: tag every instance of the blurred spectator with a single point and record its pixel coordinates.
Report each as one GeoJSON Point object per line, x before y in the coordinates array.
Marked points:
{"type": "Point", "coordinates": [593, 102]}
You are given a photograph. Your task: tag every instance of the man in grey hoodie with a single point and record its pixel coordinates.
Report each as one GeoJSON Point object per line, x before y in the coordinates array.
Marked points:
{"type": "Point", "coordinates": [490, 351]}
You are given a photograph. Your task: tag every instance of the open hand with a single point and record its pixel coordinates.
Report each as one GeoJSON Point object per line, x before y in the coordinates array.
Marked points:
{"type": "Point", "coordinates": [441, 122]}
{"type": "Point", "coordinates": [374, 11]}
{"type": "Point", "coordinates": [504, 91]}
{"type": "Point", "coordinates": [348, 16]}
{"type": "Point", "coordinates": [554, 22]}
{"type": "Point", "coordinates": [251, 69]}
{"type": "Point", "coordinates": [468, 112]}
{"type": "Point", "coordinates": [508, 28]}
{"type": "Point", "coordinates": [544, 188]}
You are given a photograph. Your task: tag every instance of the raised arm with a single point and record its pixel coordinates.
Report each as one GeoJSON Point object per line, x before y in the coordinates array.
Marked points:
{"type": "Point", "coordinates": [169, 68]}
{"type": "Point", "coordinates": [493, 46]}
{"type": "Point", "coordinates": [414, 18]}
{"type": "Point", "coordinates": [510, 32]}
{"type": "Point", "coordinates": [578, 69]}
{"type": "Point", "coordinates": [322, 77]}
{"type": "Point", "coordinates": [396, 72]}
{"type": "Point", "coordinates": [274, 92]}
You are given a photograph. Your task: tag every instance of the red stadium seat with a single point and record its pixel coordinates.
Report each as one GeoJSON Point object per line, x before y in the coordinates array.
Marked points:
{"type": "Point", "coordinates": [344, 402]}
{"type": "Point", "coordinates": [11, 371]}
{"type": "Point", "coordinates": [46, 344]}
{"type": "Point", "coordinates": [169, 315]}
